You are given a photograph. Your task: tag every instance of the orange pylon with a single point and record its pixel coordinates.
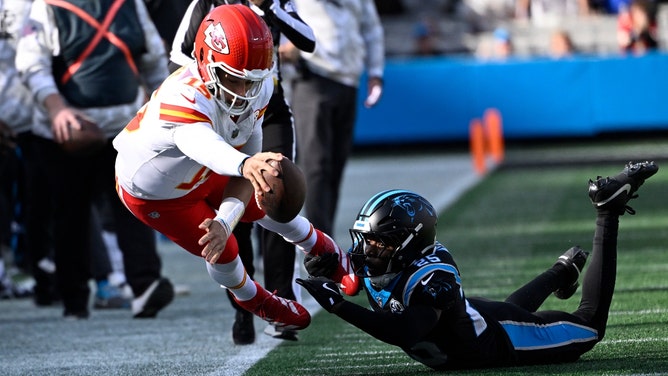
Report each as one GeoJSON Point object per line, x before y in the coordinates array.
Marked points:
{"type": "Point", "coordinates": [477, 146]}
{"type": "Point", "coordinates": [494, 132]}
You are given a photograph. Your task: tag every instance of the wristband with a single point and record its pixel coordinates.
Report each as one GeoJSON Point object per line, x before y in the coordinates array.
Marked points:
{"type": "Point", "coordinates": [226, 227]}
{"type": "Point", "coordinates": [230, 212]}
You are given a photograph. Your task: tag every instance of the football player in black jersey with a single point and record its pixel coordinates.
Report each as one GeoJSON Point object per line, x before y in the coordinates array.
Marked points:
{"type": "Point", "coordinates": [414, 287]}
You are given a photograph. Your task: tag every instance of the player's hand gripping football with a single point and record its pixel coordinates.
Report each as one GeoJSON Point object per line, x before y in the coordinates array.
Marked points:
{"type": "Point", "coordinates": [324, 290]}
{"type": "Point", "coordinates": [252, 170]}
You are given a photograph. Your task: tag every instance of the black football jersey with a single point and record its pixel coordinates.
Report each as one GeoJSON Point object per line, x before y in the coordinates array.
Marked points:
{"type": "Point", "coordinates": [461, 336]}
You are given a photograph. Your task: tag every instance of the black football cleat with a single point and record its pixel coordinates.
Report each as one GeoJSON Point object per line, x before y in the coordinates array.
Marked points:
{"type": "Point", "coordinates": [156, 297]}
{"type": "Point", "coordinates": [574, 259]}
{"type": "Point", "coordinates": [612, 193]}
{"type": "Point", "coordinates": [243, 330]}
{"type": "Point", "coordinates": [281, 333]}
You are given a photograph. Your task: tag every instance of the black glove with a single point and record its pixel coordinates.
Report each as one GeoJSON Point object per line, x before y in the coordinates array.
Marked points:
{"type": "Point", "coordinates": [321, 266]}
{"type": "Point", "coordinates": [324, 290]}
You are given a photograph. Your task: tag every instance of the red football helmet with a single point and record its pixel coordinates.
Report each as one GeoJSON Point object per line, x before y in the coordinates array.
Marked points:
{"type": "Point", "coordinates": [233, 42]}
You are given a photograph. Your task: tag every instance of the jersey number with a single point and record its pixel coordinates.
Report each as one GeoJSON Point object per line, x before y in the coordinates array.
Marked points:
{"type": "Point", "coordinates": [427, 260]}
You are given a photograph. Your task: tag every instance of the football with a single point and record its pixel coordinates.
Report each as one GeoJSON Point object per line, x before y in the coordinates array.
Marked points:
{"type": "Point", "coordinates": [85, 141]}
{"type": "Point", "coordinates": [288, 191]}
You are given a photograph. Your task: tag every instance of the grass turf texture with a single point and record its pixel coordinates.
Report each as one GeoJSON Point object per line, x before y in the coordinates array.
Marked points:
{"type": "Point", "coordinates": [503, 232]}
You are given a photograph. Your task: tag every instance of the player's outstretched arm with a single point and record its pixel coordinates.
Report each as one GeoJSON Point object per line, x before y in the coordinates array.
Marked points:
{"type": "Point", "coordinates": [408, 327]}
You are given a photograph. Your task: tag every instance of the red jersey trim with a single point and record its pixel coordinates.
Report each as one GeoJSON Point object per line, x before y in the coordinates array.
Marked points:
{"type": "Point", "coordinates": [179, 114]}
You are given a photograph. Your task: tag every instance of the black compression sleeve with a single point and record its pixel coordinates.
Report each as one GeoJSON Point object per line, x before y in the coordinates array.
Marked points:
{"type": "Point", "coordinates": [400, 329]}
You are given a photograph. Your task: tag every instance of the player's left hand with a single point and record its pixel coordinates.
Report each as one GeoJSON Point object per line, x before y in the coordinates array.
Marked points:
{"type": "Point", "coordinates": [324, 290]}
{"type": "Point", "coordinates": [214, 240]}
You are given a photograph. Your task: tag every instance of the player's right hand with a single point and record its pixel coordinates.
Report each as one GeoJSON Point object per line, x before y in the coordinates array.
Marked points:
{"type": "Point", "coordinates": [255, 165]}
{"type": "Point", "coordinates": [324, 291]}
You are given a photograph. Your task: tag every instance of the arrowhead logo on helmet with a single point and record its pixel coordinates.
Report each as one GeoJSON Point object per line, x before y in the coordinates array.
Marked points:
{"type": "Point", "coordinates": [216, 39]}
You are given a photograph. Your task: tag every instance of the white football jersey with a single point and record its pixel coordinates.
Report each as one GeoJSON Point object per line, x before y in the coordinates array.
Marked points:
{"type": "Point", "coordinates": [181, 136]}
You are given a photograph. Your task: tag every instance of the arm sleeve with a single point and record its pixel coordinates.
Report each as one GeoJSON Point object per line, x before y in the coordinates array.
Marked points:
{"type": "Point", "coordinates": [153, 63]}
{"type": "Point", "coordinates": [283, 14]}
{"type": "Point", "coordinates": [372, 32]}
{"type": "Point", "coordinates": [199, 142]}
{"type": "Point", "coordinates": [35, 50]}
{"type": "Point", "coordinates": [400, 329]}
{"type": "Point", "coordinates": [439, 289]}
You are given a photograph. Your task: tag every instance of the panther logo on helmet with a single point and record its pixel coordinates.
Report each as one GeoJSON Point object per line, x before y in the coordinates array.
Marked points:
{"type": "Point", "coordinates": [411, 205]}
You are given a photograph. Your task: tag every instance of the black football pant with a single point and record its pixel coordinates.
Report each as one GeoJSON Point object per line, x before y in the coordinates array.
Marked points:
{"type": "Point", "coordinates": [325, 113]}
{"type": "Point", "coordinates": [597, 289]}
{"type": "Point", "coordinates": [77, 181]}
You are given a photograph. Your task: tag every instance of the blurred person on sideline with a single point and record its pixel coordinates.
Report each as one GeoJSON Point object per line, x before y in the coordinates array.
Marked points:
{"type": "Point", "coordinates": [637, 27]}
{"type": "Point", "coordinates": [551, 13]}
{"type": "Point", "coordinates": [89, 66]}
{"type": "Point", "coordinates": [349, 41]}
{"type": "Point", "coordinates": [278, 256]}
{"type": "Point", "coordinates": [497, 48]}
{"type": "Point", "coordinates": [609, 6]}
{"type": "Point", "coordinates": [426, 34]}
{"type": "Point", "coordinates": [486, 15]}
{"type": "Point", "coordinates": [7, 146]}
{"type": "Point", "coordinates": [417, 300]}
{"type": "Point", "coordinates": [31, 199]}
{"type": "Point", "coordinates": [561, 44]}
{"type": "Point", "coordinates": [190, 162]}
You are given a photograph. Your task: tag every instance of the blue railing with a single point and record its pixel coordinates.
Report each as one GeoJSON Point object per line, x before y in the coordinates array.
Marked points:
{"type": "Point", "coordinates": [433, 100]}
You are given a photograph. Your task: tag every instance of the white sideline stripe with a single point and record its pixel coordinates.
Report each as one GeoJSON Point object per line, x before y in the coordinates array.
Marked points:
{"type": "Point", "coordinates": [456, 187]}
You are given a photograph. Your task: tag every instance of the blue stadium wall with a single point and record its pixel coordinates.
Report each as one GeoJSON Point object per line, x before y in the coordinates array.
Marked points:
{"type": "Point", "coordinates": [435, 99]}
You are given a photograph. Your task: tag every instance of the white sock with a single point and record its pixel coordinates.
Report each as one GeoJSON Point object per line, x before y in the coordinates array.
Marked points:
{"type": "Point", "coordinates": [298, 231]}
{"type": "Point", "coordinates": [234, 277]}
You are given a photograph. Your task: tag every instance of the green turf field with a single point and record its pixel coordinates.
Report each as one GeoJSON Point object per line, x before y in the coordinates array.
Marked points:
{"type": "Point", "coordinates": [503, 232]}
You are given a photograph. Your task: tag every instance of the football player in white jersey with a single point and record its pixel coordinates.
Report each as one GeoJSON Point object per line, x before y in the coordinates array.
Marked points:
{"type": "Point", "coordinates": [190, 161]}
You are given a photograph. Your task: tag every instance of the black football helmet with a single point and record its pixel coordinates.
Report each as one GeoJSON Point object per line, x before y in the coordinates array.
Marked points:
{"type": "Point", "coordinates": [400, 221]}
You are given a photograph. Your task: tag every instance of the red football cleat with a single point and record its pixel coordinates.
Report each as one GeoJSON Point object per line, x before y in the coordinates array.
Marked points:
{"type": "Point", "coordinates": [281, 312]}
{"type": "Point", "coordinates": [344, 275]}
